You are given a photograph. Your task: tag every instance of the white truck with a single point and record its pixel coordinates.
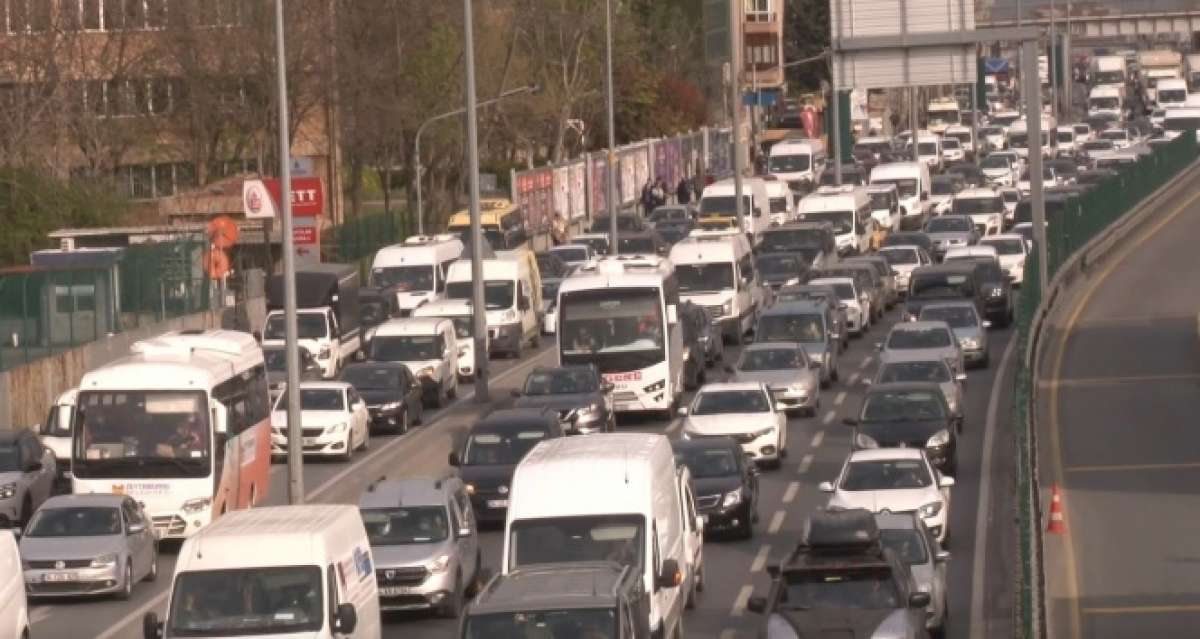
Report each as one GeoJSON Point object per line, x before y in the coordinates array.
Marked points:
{"type": "Point", "coordinates": [1109, 70]}
{"type": "Point", "coordinates": [1193, 71]}
{"type": "Point", "coordinates": [1155, 65]}
{"type": "Point", "coordinates": [1106, 100]}
{"type": "Point", "coordinates": [327, 316]}
{"type": "Point", "coordinates": [941, 113]}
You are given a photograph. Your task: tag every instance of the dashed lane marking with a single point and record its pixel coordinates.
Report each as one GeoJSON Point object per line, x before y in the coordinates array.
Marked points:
{"type": "Point", "coordinates": [866, 362]}
{"type": "Point", "coordinates": [776, 522]}
{"type": "Point", "coordinates": [841, 397]}
{"type": "Point", "coordinates": [760, 559]}
{"type": "Point", "coordinates": [853, 379]}
{"type": "Point", "coordinates": [828, 419]}
{"type": "Point", "coordinates": [739, 602]}
{"type": "Point", "coordinates": [818, 437]}
{"type": "Point", "coordinates": [805, 462]}
{"type": "Point", "coordinates": [789, 495]}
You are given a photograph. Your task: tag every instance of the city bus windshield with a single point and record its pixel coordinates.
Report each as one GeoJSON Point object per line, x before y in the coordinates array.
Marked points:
{"type": "Point", "coordinates": [619, 330]}
{"type": "Point", "coordinates": [404, 278]}
{"type": "Point", "coordinates": [142, 434]}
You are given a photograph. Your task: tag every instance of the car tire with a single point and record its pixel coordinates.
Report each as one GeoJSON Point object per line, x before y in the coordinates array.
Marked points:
{"type": "Point", "coordinates": [127, 585]}
{"type": "Point", "coordinates": [746, 530]}
{"type": "Point", "coordinates": [402, 427]}
{"type": "Point", "coordinates": [451, 608]}
{"type": "Point", "coordinates": [452, 393]}
{"type": "Point", "coordinates": [348, 451]}
{"type": "Point", "coordinates": [153, 574]}
{"type": "Point", "coordinates": [441, 398]}
{"type": "Point", "coordinates": [26, 512]}
{"type": "Point", "coordinates": [987, 359]}
{"type": "Point", "coordinates": [365, 444]}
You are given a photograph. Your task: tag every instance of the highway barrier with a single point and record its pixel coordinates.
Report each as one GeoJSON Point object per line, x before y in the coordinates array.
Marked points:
{"type": "Point", "coordinates": [1080, 229]}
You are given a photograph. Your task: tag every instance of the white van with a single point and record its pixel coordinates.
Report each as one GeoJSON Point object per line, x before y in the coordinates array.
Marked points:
{"type": "Point", "coordinates": [1106, 100]}
{"type": "Point", "coordinates": [459, 312]}
{"type": "Point", "coordinates": [781, 200]}
{"type": "Point", "coordinates": [848, 209]}
{"type": "Point", "coordinates": [281, 571]}
{"type": "Point", "coordinates": [912, 184]}
{"type": "Point", "coordinates": [428, 346]}
{"type": "Point", "coordinates": [1066, 140]}
{"type": "Point", "coordinates": [1172, 92]}
{"type": "Point", "coordinates": [14, 609]}
{"type": "Point", "coordinates": [55, 432]}
{"type": "Point", "coordinates": [512, 291]}
{"type": "Point", "coordinates": [929, 150]}
{"type": "Point", "coordinates": [798, 163]}
{"type": "Point", "coordinates": [715, 269]}
{"type": "Point", "coordinates": [719, 200]}
{"type": "Point", "coordinates": [627, 510]}
{"type": "Point", "coordinates": [415, 270]}
{"type": "Point", "coordinates": [1018, 139]}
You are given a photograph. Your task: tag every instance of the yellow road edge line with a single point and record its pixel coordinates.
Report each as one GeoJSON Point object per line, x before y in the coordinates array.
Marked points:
{"type": "Point", "coordinates": [1132, 467]}
{"type": "Point", "coordinates": [1131, 379]}
{"type": "Point", "coordinates": [1056, 369]}
{"type": "Point", "coordinates": [1142, 610]}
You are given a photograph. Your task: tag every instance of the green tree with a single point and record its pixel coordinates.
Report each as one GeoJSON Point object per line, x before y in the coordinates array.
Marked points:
{"type": "Point", "coordinates": [806, 34]}
{"type": "Point", "coordinates": [34, 203]}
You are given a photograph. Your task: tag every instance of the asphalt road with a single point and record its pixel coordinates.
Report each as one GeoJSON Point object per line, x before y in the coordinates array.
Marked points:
{"type": "Point", "coordinates": [1117, 419]}
{"type": "Point", "coordinates": [979, 587]}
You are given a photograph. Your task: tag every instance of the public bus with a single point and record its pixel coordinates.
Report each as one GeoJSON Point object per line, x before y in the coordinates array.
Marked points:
{"type": "Point", "coordinates": [182, 425]}
{"type": "Point", "coordinates": [619, 313]}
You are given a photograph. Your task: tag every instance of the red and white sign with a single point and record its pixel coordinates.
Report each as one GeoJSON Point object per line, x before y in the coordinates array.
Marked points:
{"type": "Point", "coordinates": [308, 195]}
{"type": "Point", "coordinates": [257, 203]}
{"type": "Point", "coordinates": [633, 376]}
{"type": "Point", "coordinates": [304, 235]}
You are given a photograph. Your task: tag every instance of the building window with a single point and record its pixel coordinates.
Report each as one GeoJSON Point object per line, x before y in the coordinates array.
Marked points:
{"type": "Point", "coordinates": [761, 55]}
{"type": "Point", "coordinates": [27, 16]}
{"type": "Point", "coordinates": [141, 182]}
{"type": "Point", "coordinates": [759, 11]}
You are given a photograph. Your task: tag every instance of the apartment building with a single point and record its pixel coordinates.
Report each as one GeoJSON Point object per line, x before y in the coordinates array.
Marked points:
{"type": "Point", "coordinates": [762, 50]}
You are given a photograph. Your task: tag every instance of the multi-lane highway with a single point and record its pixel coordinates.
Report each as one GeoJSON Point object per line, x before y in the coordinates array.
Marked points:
{"type": "Point", "coordinates": [979, 581]}
{"type": "Point", "coordinates": [1118, 430]}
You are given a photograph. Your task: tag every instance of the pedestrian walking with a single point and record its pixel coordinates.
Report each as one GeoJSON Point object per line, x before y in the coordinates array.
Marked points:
{"type": "Point", "coordinates": [683, 192]}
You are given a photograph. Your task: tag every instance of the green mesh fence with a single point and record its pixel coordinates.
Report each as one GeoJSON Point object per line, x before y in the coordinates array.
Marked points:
{"type": "Point", "coordinates": [356, 240]}
{"type": "Point", "coordinates": [1071, 224]}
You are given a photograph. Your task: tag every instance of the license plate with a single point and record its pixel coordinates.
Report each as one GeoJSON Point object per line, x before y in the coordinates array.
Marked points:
{"type": "Point", "coordinates": [497, 503]}
{"type": "Point", "coordinates": [58, 577]}
{"type": "Point", "coordinates": [395, 591]}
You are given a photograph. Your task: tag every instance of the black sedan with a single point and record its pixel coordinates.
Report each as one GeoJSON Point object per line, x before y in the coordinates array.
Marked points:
{"type": "Point", "coordinates": [997, 291]}
{"type": "Point", "coordinates": [908, 415]}
{"type": "Point", "coordinates": [491, 451]}
{"type": "Point", "coordinates": [576, 393]}
{"type": "Point", "coordinates": [781, 269]}
{"type": "Point", "coordinates": [725, 483]}
{"type": "Point", "coordinates": [392, 394]}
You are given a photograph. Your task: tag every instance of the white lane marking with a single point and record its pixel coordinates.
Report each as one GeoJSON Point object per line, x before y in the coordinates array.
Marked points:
{"type": "Point", "coordinates": [853, 380]}
{"type": "Point", "coordinates": [818, 438]}
{"type": "Point", "coordinates": [337, 479]}
{"type": "Point", "coordinates": [985, 493]}
{"type": "Point", "coordinates": [805, 462]}
{"type": "Point", "coordinates": [728, 633]}
{"type": "Point", "coordinates": [828, 419]}
{"type": "Point", "coordinates": [866, 362]}
{"type": "Point", "coordinates": [776, 522]}
{"type": "Point", "coordinates": [790, 494]}
{"type": "Point", "coordinates": [739, 602]}
{"type": "Point", "coordinates": [841, 397]}
{"type": "Point", "coordinates": [760, 559]}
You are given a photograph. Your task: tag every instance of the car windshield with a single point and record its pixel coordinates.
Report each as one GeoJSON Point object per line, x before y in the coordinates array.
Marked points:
{"type": "Point", "coordinates": [942, 187]}
{"type": "Point", "coordinates": [949, 224]}
{"type": "Point", "coordinates": [950, 142]}
{"type": "Point", "coordinates": [916, 371]}
{"type": "Point", "coordinates": [897, 256]}
{"type": "Point", "coordinates": [842, 221]}
{"type": "Point", "coordinates": [941, 285]}
{"type": "Point", "coordinates": [1116, 135]}
{"type": "Point", "coordinates": [886, 474]}
{"type": "Point", "coordinates": [251, 601]}
{"type": "Point", "coordinates": [308, 326]}
{"type": "Point", "coordinates": [704, 278]}
{"type": "Point", "coordinates": [636, 245]}
{"type": "Point", "coordinates": [1098, 145]}
{"type": "Point", "coordinates": [405, 348]}
{"type": "Point", "coordinates": [405, 525]}
{"type": "Point", "coordinates": [551, 540]}
{"type": "Point", "coordinates": [994, 162]}
{"type": "Point", "coordinates": [705, 463]}
{"type": "Point", "coordinates": [598, 244]}
{"type": "Point", "coordinates": [978, 205]}
{"type": "Point", "coordinates": [792, 239]}
{"type": "Point", "coordinates": [1018, 140]}
{"type": "Point", "coordinates": [592, 623]}
{"type": "Point", "coordinates": [906, 543]}
{"type": "Point", "coordinates": [403, 278]}
{"type": "Point", "coordinates": [797, 327]}
{"type": "Point", "coordinates": [142, 434]}
{"type": "Point", "coordinates": [561, 381]}
{"type": "Point", "coordinates": [905, 188]}
{"type": "Point", "coordinates": [723, 205]}
{"type": "Point", "coordinates": [782, 264]}
{"type": "Point", "coordinates": [881, 201]}
{"type": "Point", "coordinates": [316, 399]}
{"type": "Point", "coordinates": [90, 521]}
{"type": "Point", "coordinates": [275, 359]}
{"type": "Point", "coordinates": [503, 448]}
{"type": "Point", "coordinates": [991, 131]}
{"type": "Point", "coordinates": [571, 253]}
{"type": "Point", "coordinates": [1082, 129]}
{"type": "Point", "coordinates": [788, 163]}
{"type": "Point", "coordinates": [955, 316]}
{"type": "Point", "coordinates": [859, 589]}
{"type": "Point", "coordinates": [772, 359]}
{"type": "Point", "coordinates": [1010, 196]}
{"type": "Point", "coordinates": [901, 406]}
{"type": "Point", "coordinates": [606, 322]}
{"type": "Point", "coordinates": [919, 338]}
{"type": "Point", "coordinates": [927, 148]}
{"type": "Point", "coordinates": [368, 377]}
{"type": "Point", "coordinates": [778, 204]}
{"type": "Point", "coordinates": [497, 294]}
{"type": "Point", "coordinates": [844, 290]}
{"type": "Point", "coordinates": [727, 402]}
{"type": "Point", "coordinates": [1007, 247]}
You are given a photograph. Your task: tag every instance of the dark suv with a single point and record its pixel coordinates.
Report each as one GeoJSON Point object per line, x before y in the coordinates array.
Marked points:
{"type": "Point", "coordinates": [956, 280]}
{"type": "Point", "coordinates": [841, 580]}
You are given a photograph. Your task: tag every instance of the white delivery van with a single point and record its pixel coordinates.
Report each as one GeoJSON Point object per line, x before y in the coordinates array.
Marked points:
{"type": "Point", "coordinates": [1172, 92]}
{"type": "Point", "coordinates": [1106, 100]}
{"type": "Point", "coordinates": [798, 163]}
{"type": "Point", "coordinates": [719, 202]}
{"type": "Point", "coordinates": [781, 200]}
{"type": "Point", "coordinates": [280, 571]}
{"type": "Point", "coordinates": [627, 510]}
{"type": "Point", "coordinates": [885, 206]}
{"type": "Point", "coordinates": [848, 209]}
{"type": "Point", "coordinates": [55, 432]}
{"type": "Point", "coordinates": [459, 312]}
{"type": "Point", "coordinates": [985, 207]}
{"type": "Point", "coordinates": [941, 113]}
{"type": "Point", "coordinates": [415, 271]}
{"type": "Point", "coordinates": [14, 609]}
{"type": "Point", "coordinates": [512, 292]}
{"type": "Point", "coordinates": [912, 184]}
{"type": "Point", "coordinates": [428, 346]}
{"type": "Point", "coordinates": [929, 150]}
{"type": "Point", "coordinates": [1108, 70]}
{"type": "Point", "coordinates": [715, 269]}
{"type": "Point", "coordinates": [1066, 140]}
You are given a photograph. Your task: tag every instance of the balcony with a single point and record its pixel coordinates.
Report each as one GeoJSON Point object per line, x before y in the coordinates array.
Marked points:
{"type": "Point", "coordinates": [756, 21]}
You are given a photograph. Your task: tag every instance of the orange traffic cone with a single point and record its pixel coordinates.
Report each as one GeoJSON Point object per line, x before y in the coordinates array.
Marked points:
{"type": "Point", "coordinates": [1057, 525]}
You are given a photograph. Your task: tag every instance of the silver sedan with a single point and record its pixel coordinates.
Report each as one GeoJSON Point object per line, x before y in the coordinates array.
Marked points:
{"type": "Point", "coordinates": [786, 370]}
{"type": "Point", "coordinates": [968, 327]}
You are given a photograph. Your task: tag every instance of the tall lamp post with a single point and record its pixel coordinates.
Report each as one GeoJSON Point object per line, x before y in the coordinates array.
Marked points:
{"type": "Point", "coordinates": [478, 310]}
{"type": "Point", "coordinates": [610, 178]}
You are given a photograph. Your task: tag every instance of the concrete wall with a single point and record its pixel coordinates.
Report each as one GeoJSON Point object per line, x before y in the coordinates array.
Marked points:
{"type": "Point", "coordinates": [27, 392]}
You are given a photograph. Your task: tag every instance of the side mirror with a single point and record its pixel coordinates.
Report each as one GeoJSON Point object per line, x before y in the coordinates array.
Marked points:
{"type": "Point", "coordinates": [523, 303]}
{"type": "Point", "coordinates": [879, 346]}
{"type": "Point", "coordinates": [942, 556]}
{"type": "Point", "coordinates": [825, 486]}
{"type": "Point", "coordinates": [151, 627]}
{"type": "Point", "coordinates": [816, 366]}
{"type": "Point", "coordinates": [453, 459]}
{"type": "Point", "coordinates": [516, 392]}
{"type": "Point", "coordinates": [946, 482]}
{"type": "Point", "coordinates": [220, 417]}
{"type": "Point", "coordinates": [346, 618]}
{"type": "Point", "coordinates": [136, 529]}
{"type": "Point", "coordinates": [850, 421]}
{"type": "Point", "coordinates": [257, 338]}
{"type": "Point", "coordinates": [728, 369]}
{"type": "Point", "coordinates": [608, 387]}
{"type": "Point", "coordinates": [463, 532]}
{"type": "Point", "coordinates": [918, 600]}
{"type": "Point", "coordinates": [683, 410]}
{"type": "Point", "coordinates": [987, 323]}
{"type": "Point", "coordinates": [669, 576]}
{"type": "Point", "coordinates": [757, 605]}
{"type": "Point", "coordinates": [960, 377]}
{"type": "Point", "coordinates": [33, 467]}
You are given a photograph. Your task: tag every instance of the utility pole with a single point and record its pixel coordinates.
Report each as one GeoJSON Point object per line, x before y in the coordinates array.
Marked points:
{"type": "Point", "coordinates": [610, 174]}
{"type": "Point", "coordinates": [1033, 110]}
{"type": "Point", "coordinates": [295, 434]}
{"type": "Point", "coordinates": [735, 87]}
{"type": "Point", "coordinates": [478, 306]}
{"type": "Point", "coordinates": [836, 129]}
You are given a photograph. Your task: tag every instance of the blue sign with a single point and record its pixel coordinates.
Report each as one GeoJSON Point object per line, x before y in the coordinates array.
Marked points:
{"type": "Point", "coordinates": [760, 98]}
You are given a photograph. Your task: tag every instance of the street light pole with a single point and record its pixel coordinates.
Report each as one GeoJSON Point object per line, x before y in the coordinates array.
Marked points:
{"type": "Point", "coordinates": [735, 87]}
{"type": "Point", "coordinates": [295, 435]}
{"type": "Point", "coordinates": [532, 88]}
{"type": "Point", "coordinates": [610, 177]}
{"type": "Point", "coordinates": [478, 309]}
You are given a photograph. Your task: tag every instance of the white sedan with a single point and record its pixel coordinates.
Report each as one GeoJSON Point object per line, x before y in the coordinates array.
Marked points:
{"type": "Point", "coordinates": [743, 411]}
{"type": "Point", "coordinates": [896, 480]}
{"type": "Point", "coordinates": [333, 416]}
{"type": "Point", "coordinates": [1012, 250]}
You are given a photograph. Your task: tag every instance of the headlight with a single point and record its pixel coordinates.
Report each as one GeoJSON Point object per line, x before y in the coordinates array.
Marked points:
{"type": "Point", "coordinates": [8, 491]}
{"type": "Point", "coordinates": [107, 560]}
{"type": "Point", "coordinates": [390, 406]}
{"type": "Point", "coordinates": [931, 509]}
{"type": "Point", "coordinates": [509, 315]}
{"type": "Point", "coordinates": [727, 307]}
{"type": "Point", "coordinates": [939, 439]}
{"type": "Point", "coordinates": [428, 371]}
{"type": "Point", "coordinates": [731, 498]}
{"type": "Point", "coordinates": [800, 388]}
{"type": "Point", "coordinates": [817, 357]}
{"type": "Point", "coordinates": [589, 410]}
{"type": "Point", "coordinates": [656, 386]}
{"type": "Point", "coordinates": [439, 565]}
{"type": "Point", "coordinates": [196, 505]}
{"type": "Point", "coordinates": [969, 343]}
{"type": "Point", "coordinates": [336, 428]}
{"type": "Point", "coordinates": [862, 440]}
{"type": "Point", "coordinates": [470, 488]}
